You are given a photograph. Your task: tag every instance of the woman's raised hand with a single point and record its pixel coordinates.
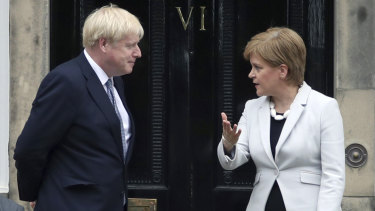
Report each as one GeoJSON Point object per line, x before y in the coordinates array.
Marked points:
{"type": "Point", "coordinates": [230, 134]}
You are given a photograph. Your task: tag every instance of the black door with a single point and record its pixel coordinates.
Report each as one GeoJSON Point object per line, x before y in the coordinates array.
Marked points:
{"type": "Point", "coordinates": [190, 71]}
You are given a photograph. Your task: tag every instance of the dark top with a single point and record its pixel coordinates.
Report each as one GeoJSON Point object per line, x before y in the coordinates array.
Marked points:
{"type": "Point", "coordinates": [275, 200]}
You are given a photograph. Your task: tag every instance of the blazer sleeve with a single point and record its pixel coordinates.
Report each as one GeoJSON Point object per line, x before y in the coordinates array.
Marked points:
{"type": "Point", "coordinates": [50, 117]}
{"type": "Point", "coordinates": [332, 158]}
{"type": "Point", "coordinates": [241, 153]}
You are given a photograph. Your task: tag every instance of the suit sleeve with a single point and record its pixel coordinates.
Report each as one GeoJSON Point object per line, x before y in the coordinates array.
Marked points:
{"type": "Point", "coordinates": [51, 116]}
{"type": "Point", "coordinates": [332, 158]}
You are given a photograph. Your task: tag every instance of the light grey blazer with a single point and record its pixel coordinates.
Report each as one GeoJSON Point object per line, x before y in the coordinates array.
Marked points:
{"type": "Point", "coordinates": [309, 163]}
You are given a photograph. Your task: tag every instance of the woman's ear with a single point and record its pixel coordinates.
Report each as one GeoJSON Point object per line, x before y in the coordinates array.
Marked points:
{"type": "Point", "coordinates": [283, 71]}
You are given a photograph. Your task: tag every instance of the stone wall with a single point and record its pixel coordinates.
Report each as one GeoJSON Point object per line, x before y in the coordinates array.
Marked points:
{"type": "Point", "coordinates": [29, 63]}
{"type": "Point", "coordinates": [355, 83]}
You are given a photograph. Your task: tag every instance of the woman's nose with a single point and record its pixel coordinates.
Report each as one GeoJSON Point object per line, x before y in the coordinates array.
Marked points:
{"type": "Point", "coordinates": [251, 74]}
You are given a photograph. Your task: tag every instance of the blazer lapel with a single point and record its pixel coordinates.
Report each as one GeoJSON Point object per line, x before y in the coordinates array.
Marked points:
{"type": "Point", "coordinates": [264, 125]}
{"type": "Point", "coordinates": [296, 110]}
{"type": "Point", "coordinates": [100, 97]}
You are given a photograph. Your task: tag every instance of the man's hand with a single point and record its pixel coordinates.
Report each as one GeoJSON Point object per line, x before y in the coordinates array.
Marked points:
{"type": "Point", "coordinates": [32, 204]}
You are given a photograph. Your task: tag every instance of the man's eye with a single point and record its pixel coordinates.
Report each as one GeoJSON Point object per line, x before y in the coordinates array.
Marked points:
{"type": "Point", "coordinates": [132, 46]}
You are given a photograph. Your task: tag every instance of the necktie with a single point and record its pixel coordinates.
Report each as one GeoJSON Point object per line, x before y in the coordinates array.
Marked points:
{"type": "Point", "coordinates": [111, 96]}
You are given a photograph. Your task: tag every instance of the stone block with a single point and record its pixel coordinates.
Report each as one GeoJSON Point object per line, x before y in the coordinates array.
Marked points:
{"type": "Point", "coordinates": [357, 110]}
{"type": "Point", "coordinates": [358, 204]}
{"type": "Point", "coordinates": [354, 45]}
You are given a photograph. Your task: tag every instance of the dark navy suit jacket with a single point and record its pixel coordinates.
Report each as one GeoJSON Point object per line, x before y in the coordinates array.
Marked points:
{"type": "Point", "coordinates": [69, 155]}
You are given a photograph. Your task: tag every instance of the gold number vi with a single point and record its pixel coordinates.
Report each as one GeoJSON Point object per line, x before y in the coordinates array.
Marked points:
{"type": "Point", "coordinates": [186, 23]}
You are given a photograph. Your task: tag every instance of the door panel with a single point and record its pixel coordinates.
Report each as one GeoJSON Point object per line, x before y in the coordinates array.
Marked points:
{"type": "Point", "coordinates": [185, 78]}
{"type": "Point", "coordinates": [239, 21]}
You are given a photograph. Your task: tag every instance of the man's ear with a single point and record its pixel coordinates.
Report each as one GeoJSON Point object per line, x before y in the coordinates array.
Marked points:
{"type": "Point", "coordinates": [103, 44]}
{"type": "Point", "coordinates": [284, 70]}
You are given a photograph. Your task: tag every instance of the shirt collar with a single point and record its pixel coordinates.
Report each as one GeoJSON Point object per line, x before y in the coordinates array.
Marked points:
{"type": "Point", "coordinates": [98, 70]}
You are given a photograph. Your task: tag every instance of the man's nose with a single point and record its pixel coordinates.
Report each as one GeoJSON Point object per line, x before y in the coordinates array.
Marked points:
{"type": "Point", "coordinates": [137, 52]}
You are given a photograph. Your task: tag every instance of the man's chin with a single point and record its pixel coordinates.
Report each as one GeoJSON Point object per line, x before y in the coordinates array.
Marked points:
{"type": "Point", "coordinates": [128, 71]}
{"type": "Point", "coordinates": [125, 72]}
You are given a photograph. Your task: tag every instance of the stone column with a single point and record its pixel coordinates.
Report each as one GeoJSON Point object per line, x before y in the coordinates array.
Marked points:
{"type": "Point", "coordinates": [29, 63]}
{"type": "Point", "coordinates": [354, 86]}
{"type": "Point", "coordinates": [4, 98]}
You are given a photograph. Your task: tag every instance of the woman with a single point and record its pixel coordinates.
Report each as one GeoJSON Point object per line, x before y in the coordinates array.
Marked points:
{"type": "Point", "coordinates": [293, 134]}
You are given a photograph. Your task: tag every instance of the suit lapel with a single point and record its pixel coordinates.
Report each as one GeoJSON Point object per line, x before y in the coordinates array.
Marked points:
{"type": "Point", "coordinates": [264, 125]}
{"type": "Point", "coordinates": [296, 110]}
{"type": "Point", "coordinates": [101, 99]}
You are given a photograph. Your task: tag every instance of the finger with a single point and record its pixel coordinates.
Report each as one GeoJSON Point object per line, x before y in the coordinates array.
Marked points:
{"type": "Point", "coordinates": [228, 124]}
{"type": "Point", "coordinates": [230, 129]}
{"type": "Point", "coordinates": [226, 127]}
{"type": "Point", "coordinates": [225, 122]}
{"type": "Point", "coordinates": [235, 128]}
{"type": "Point", "coordinates": [238, 134]}
{"type": "Point", "coordinates": [224, 116]}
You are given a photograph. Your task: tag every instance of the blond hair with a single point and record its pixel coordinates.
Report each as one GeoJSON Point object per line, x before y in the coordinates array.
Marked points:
{"type": "Point", "coordinates": [110, 22]}
{"type": "Point", "coordinates": [280, 45]}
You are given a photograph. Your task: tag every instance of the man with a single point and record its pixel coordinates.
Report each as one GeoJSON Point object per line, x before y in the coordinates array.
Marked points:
{"type": "Point", "coordinates": [73, 151]}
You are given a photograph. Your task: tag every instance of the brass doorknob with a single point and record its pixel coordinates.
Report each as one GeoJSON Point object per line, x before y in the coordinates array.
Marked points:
{"type": "Point", "coordinates": [356, 155]}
